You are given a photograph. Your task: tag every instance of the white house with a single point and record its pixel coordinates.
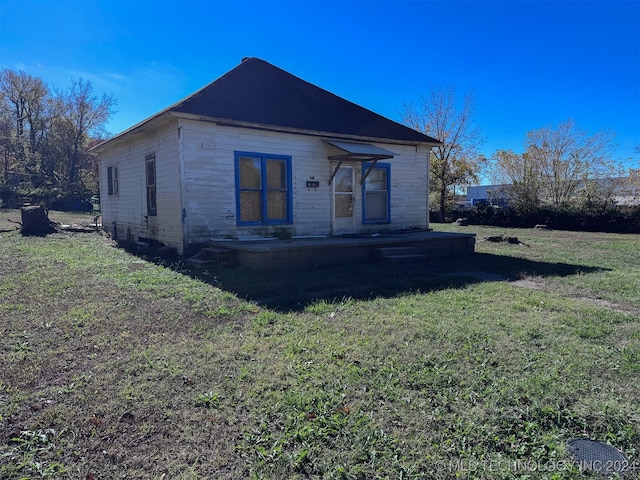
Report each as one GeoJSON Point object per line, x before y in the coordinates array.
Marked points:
{"type": "Point", "coordinates": [259, 153]}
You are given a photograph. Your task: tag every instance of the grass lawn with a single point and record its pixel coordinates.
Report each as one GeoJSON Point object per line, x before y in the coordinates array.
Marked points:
{"type": "Point", "coordinates": [115, 367]}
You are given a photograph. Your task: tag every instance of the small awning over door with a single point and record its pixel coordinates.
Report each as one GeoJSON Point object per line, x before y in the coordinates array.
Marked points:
{"type": "Point", "coordinates": [359, 152]}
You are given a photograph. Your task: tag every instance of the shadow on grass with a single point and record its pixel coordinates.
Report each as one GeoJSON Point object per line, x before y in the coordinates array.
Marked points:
{"type": "Point", "coordinates": [294, 291]}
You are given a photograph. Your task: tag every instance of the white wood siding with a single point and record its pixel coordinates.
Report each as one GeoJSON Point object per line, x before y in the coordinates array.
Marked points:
{"type": "Point", "coordinates": [409, 186]}
{"type": "Point", "coordinates": [209, 178]}
{"type": "Point", "coordinates": [128, 209]}
{"type": "Point", "coordinates": [195, 171]}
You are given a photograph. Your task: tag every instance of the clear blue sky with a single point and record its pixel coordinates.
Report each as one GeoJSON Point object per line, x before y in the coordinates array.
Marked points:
{"type": "Point", "coordinates": [530, 64]}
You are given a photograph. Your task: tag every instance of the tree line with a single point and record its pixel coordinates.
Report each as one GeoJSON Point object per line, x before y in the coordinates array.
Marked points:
{"type": "Point", "coordinates": [45, 134]}
{"type": "Point", "coordinates": [562, 167]}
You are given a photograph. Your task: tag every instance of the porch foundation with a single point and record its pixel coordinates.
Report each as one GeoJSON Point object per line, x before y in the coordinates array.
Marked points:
{"type": "Point", "coordinates": [304, 253]}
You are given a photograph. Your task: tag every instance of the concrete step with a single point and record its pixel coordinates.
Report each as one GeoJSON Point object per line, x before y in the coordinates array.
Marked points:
{"type": "Point", "coordinates": [199, 263]}
{"type": "Point", "coordinates": [211, 257]}
{"type": "Point", "coordinates": [217, 253]}
{"type": "Point", "coordinates": [412, 258]}
{"type": "Point", "coordinates": [388, 251]}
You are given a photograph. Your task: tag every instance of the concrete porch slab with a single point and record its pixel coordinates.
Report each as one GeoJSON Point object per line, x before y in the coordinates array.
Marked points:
{"type": "Point", "coordinates": [301, 253]}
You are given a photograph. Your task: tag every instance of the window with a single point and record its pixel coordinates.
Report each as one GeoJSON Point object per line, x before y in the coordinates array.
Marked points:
{"type": "Point", "coordinates": [150, 168]}
{"type": "Point", "coordinates": [263, 188]}
{"type": "Point", "coordinates": [376, 194]}
{"type": "Point", "coordinates": [112, 180]}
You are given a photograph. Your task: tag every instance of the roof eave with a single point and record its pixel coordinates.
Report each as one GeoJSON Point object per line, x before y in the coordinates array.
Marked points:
{"type": "Point", "coordinates": [159, 117]}
{"type": "Point", "coordinates": [137, 128]}
{"type": "Point", "coordinates": [298, 131]}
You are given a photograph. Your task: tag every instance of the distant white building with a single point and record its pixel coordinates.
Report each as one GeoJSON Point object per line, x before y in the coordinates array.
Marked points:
{"type": "Point", "coordinates": [622, 191]}
{"type": "Point", "coordinates": [490, 194]}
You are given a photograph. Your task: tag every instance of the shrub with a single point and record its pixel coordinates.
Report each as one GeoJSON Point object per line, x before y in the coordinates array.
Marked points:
{"type": "Point", "coordinates": [614, 220]}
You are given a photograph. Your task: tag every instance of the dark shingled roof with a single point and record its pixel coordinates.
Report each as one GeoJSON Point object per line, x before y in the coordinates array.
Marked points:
{"type": "Point", "coordinates": [258, 92]}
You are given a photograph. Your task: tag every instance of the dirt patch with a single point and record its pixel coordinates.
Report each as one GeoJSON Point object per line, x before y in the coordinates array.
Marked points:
{"type": "Point", "coordinates": [529, 283]}
{"type": "Point", "coordinates": [540, 284]}
{"type": "Point", "coordinates": [481, 276]}
{"type": "Point", "coordinates": [610, 305]}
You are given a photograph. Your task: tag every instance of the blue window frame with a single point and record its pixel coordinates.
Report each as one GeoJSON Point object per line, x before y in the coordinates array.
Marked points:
{"type": "Point", "coordinates": [263, 189]}
{"type": "Point", "coordinates": [376, 194]}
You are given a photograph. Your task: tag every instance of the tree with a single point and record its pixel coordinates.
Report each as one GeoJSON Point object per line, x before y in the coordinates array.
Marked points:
{"type": "Point", "coordinates": [567, 158]}
{"type": "Point", "coordinates": [25, 119]}
{"type": "Point", "coordinates": [44, 137]}
{"type": "Point", "coordinates": [81, 116]}
{"type": "Point", "coordinates": [457, 161]}
{"type": "Point", "coordinates": [521, 178]}
{"type": "Point", "coordinates": [560, 166]}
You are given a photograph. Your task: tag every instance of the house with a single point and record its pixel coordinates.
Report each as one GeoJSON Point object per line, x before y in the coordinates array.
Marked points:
{"type": "Point", "coordinates": [260, 153]}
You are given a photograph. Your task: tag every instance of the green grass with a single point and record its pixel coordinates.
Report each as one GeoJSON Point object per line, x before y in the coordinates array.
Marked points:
{"type": "Point", "coordinates": [481, 367]}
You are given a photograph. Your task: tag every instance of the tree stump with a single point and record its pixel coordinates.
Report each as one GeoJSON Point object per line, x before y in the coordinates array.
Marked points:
{"type": "Point", "coordinates": [502, 238]}
{"type": "Point", "coordinates": [35, 221]}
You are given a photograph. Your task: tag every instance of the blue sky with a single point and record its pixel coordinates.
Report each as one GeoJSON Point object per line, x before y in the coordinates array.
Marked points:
{"type": "Point", "coordinates": [530, 64]}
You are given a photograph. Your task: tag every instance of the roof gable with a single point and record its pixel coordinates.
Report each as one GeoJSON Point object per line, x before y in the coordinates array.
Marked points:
{"type": "Point", "coordinates": [258, 92]}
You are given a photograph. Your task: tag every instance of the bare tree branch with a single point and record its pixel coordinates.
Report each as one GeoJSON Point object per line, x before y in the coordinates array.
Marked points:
{"type": "Point", "coordinates": [457, 162]}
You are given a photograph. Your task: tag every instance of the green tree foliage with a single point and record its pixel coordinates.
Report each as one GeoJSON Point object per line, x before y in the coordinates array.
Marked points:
{"type": "Point", "coordinates": [457, 162]}
{"type": "Point", "coordinates": [44, 137]}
